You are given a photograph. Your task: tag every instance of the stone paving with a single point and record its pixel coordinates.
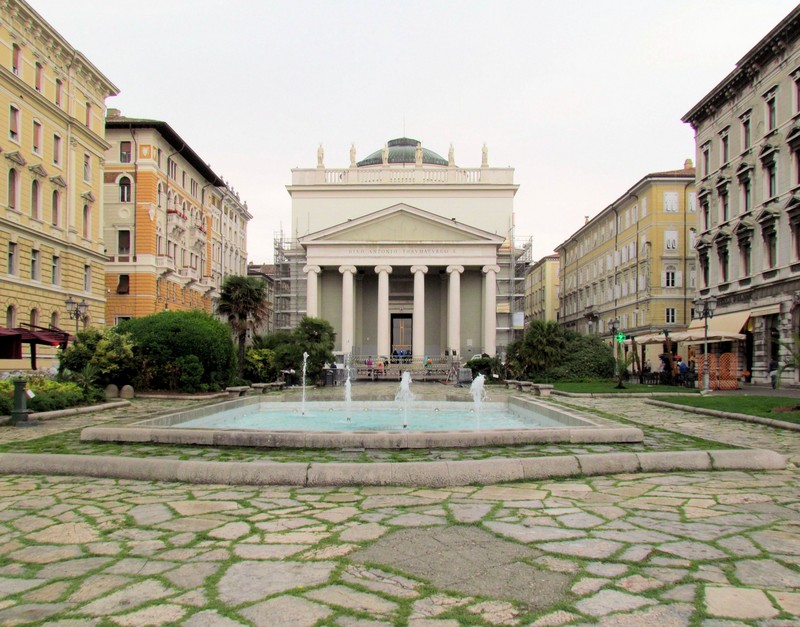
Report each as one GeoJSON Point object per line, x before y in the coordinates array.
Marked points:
{"type": "Point", "coordinates": [718, 549]}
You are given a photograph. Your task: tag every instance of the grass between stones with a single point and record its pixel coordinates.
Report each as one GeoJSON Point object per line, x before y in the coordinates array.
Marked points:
{"type": "Point", "coordinates": [762, 406]}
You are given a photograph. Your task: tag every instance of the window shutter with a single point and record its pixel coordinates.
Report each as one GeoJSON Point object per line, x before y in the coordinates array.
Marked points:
{"type": "Point", "coordinates": [663, 279]}
{"type": "Point", "coordinates": [679, 279]}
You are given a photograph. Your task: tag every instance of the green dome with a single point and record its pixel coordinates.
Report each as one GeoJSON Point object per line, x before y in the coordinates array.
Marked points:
{"type": "Point", "coordinates": [403, 150]}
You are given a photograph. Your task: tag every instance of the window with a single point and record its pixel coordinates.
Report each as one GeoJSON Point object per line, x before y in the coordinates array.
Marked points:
{"type": "Point", "coordinates": [724, 208]}
{"type": "Point", "coordinates": [38, 78]}
{"type": "Point", "coordinates": [172, 169]}
{"type": "Point", "coordinates": [124, 242]}
{"type": "Point", "coordinates": [13, 123]}
{"type": "Point", "coordinates": [771, 111]}
{"type": "Point", "coordinates": [193, 185]}
{"type": "Point", "coordinates": [12, 258]}
{"type": "Point", "coordinates": [745, 256]}
{"type": "Point", "coordinates": [771, 179]}
{"type": "Point", "coordinates": [88, 115]}
{"type": "Point", "coordinates": [124, 189]}
{"type": "Point", "coordinates": [722, 254]}
{"type": "Point", "coordinates": [669, 317]}
{"type": "Point", "coordinates": [13, 191]}
{"type": "Point", "coordinates": [125, 152]}
{"type": "Point", "coordinates": [87, 278]}
{"type": "Point", "coordinates": [87, 168]}
{"type": "Point", "coordinates": [87, 220]}
{"type": "Point", "coordinates": [671, 240]}
{"type": "Point", "coordinates": [55, 207]}
{"type": "Point", "coordinates": [54, 319]}
{"type": "Point", "coordinates": [704, 268]}
{"type": "Point", "coordinates": [56, 150]}
{"type": "Point", "coordinates": [705, 159]}
{"type": "Point", "coordinates": [158, 158]}
{"type": "Point", "coordinates": [11, 317]}
{"type": "Point", "coordinates": [770, 248]}
{"type": "Point", "coordinates": [747, 196]}
{"type": "Point", "coordinates": [123, 284]}
{"type": "Point", "coordinates": [669, 277]}
{"type": "Point", "coordinates": [159, 195]}
{"type": "Point", "coordinates": [56, 270]}
{"type": "Point", "coordinates": [37, 137]}
{"type": "Point", "coordinates": [59, 91]}
{"type": "Point", "coordinates": [35, 200]}
{"type": "Point", "coordinates": [692, 202]}
{"type": "Point", "coordinates": [16, 59]}
{"type": "Point", "coordinates": [34, 317]}
{"type": "Point", "coordinates": [183, 179]}
{"type": "Point", "coordinates": [724, 145]}
{"type": "Point", "coordinates": [35, 267]}
{"type": "Point", "coordinates": [746, 135]}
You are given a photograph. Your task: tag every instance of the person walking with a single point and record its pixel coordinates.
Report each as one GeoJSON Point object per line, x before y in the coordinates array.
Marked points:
{"type": "Point", "coordinates": [773, 372]}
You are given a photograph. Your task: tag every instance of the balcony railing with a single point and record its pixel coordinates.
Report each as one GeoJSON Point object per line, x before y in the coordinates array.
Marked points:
{"type": "Point", "coordinates": [410, 175]}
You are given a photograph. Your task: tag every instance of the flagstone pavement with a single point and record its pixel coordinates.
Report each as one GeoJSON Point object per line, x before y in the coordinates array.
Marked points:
{"type": "Point", "coordinates": [718, 549]}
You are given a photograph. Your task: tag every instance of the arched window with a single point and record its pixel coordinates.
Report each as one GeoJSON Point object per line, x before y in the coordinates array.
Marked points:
{"type": "Point", "coordinates": [12, 188]}
{"type": "Point", "coordinates": [159, 194]}
{"type": "Point", "coordinates": [56, 207]}
{"type": "Point", "coordinates": [124, 189]}
{"type": "Point", "coordinates": [54, 319]}
{"type": "Point", "coordinates": [35, 200]}
{"type": "Point", "coordinates": [34, 317]}
{"type": "Point", "coordinates": [11, 317]}
{"type": "Point", "coordinates": [87, 218]}
{"type": "Point", "coordinates": [16, 59]}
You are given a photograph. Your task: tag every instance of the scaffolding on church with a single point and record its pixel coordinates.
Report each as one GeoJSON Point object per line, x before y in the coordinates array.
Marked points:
{"type": "Point", "coordinates": [290, 283]}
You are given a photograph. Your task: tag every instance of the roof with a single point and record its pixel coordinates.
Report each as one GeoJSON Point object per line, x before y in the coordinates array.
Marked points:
{"type": "Point", "coordinates": [174, 140]}
{"type": "Point", "coordinates": [773, 44]}
{"type": "Point", "coordinates": [402, 150]}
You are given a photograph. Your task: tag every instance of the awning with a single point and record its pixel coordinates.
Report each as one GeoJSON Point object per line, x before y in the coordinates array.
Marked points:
{"type": "Point", "coordinates": [731, 323]}
{"type": "Point", "coordinates": [766, 310]}
{"type": "Point", "coordinates": [11, 341]}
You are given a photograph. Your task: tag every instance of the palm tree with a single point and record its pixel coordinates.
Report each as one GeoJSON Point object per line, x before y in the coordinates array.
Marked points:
{"type": "Point", "coordinates": [543, 345]}
{"type": "Point", "coordinates": [243, 300]}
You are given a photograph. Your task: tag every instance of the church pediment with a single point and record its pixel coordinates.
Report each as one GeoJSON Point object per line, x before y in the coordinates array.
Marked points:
{"type": "Point", "coordinates": [401, 224]}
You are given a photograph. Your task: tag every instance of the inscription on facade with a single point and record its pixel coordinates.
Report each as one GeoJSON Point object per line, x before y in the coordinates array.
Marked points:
{"type": "Point", "coordinates": [380, 251]}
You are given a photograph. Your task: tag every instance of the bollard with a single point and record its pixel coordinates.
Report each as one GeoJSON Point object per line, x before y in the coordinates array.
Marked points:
{"type": "Point", "coordinates": [20, 411]}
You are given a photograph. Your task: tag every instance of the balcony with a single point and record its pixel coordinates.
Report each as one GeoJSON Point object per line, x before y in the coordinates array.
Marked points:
{"type": "Point", "coordinates": [176, 223]}
{"type": "Point", "coordinates": [165, 265]}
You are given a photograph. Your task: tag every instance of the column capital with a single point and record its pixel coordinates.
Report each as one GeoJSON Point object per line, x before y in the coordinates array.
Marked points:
{"type": "Point", "coordinates": [415, 269]}
{"type": "Point", "coordinates": [386, 269]}
{"type": "Point", "coordinates": [490, 268]}
{"type": "Point", "coordinates": [451, 269]}
{"type": "Point", "coordinates": [345, 269]}
{"type": "Point", "coordinates": [314, 269]}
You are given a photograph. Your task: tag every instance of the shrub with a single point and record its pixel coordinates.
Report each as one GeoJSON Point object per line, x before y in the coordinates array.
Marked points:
{"type": "Point", "coordinates": [259, 365]}
{"type": "Point", "coordinates": [49, 395]}
{"type": "Point", "coordinates": [586, 357]}
{"type": "Point", "coordinates": [164, 342]}
{"type": "Point", "coordinates": [109, 353]}
{"type": "Point", "coordinates": [485, 366]}
{"type": "Point", "coordinates": [313, 336]}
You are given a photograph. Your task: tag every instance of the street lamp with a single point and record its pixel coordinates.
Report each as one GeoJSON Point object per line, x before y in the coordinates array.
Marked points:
{"type": "Point", "coordinates": [76, 310]}
{"type": "Point", "coordinates": [703, 310]}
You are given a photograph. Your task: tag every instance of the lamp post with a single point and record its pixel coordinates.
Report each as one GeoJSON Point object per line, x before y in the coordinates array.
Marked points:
{"type": "Point", "coordinates": [76, 310]}
{"type": "Point", "coordinates": [703, 310]}
{"type": "Point", "coordinates": [616, 342]}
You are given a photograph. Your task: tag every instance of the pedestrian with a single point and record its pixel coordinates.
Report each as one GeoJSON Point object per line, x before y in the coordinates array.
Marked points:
{"type": "Point", "coordinates": [773, 372]}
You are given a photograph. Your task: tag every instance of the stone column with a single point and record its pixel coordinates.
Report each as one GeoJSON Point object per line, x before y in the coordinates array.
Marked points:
{"type": "Point", "coordinates": [384, 336]}
{"type": "Point", "coordinates": [348, 319]}
{"type": "Point", "coordinates": [490, 309]}
{"type": "Point", "coordinates": [454, 308]}
{"type": "Point", "coordinates": [312, 287]}
{"type": "Point", "coordinates": [418, 317]}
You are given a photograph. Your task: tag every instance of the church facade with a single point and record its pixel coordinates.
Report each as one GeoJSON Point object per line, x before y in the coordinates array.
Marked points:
{"type": "Point", "coordinates": [404, 253]}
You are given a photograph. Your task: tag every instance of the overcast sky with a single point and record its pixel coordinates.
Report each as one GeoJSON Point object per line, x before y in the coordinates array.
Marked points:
{"type": "Point", "coordinates": [581, 98]}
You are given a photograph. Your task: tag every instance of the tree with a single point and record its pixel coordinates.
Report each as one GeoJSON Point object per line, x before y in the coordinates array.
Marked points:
{"type": "Point", "coordinates": [543, 346]}
{"type": "Point", "coordinates": [243, 300]}
{"type": "Point", "coordinates": [315, 337]}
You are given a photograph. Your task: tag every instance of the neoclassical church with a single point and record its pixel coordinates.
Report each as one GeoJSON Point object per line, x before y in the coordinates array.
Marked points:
{"type": "Point", "coordinates": [403, 252]}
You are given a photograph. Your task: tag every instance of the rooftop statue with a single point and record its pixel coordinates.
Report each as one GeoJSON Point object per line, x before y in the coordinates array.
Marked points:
{"type": "Point", "coordinates": [320, 157]}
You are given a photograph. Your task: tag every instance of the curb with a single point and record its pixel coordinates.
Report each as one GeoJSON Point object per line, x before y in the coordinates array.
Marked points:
{"type": "Point", "coordinates": [71, 411]}
{"type": "Point", "coordinates": [621, 395]}
{"type": "Point", "coordinates": [417, 474]}
{"type": "Point", "coordinates": [780, 424]}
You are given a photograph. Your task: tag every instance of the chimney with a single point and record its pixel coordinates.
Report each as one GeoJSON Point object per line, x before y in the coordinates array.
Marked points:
{"type": "Point", "coordinates": [688, 165]}
{"type": "Point", "coordinates": [113, 113]}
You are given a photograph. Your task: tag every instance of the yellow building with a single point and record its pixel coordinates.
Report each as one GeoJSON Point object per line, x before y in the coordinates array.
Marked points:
{"type": "Point", "coordinates": [51, 206]}
{"type": "Point", "coordinates": [634, 262]}
{"type": "Point", "coordinates": [541, 290]}
{"type": "Point", "coordinates": [173, 228]}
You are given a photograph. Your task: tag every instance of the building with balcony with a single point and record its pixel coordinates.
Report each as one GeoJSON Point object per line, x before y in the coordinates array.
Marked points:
{"type": "Point", "coordinates": [51, 201]}
{"type": "Point", "coordinates": [541, 290]}
{"type": "Point", "coordinates": [747, 133]}
{"type": "Point", "coordinates": [404, 252]}
{"type": "Point", "coordinates": [632, 266]}
{"type": "Point", "coordinates": [173, 228]}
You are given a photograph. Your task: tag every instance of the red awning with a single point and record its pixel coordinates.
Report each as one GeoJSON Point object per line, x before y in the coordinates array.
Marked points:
{"type": "Point", "coordinates": [11, 341]}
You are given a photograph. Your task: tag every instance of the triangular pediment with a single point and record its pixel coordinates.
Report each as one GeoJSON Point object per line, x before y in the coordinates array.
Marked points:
{"type": "Point", "coordinates": [37, 169]}
{"type": "Point", "coordinates": [401, 223]}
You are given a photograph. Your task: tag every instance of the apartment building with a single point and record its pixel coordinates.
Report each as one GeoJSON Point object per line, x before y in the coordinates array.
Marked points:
{"type": "Point", "coordinates": [632, 266]}
{"type": "Point", "coordinates": [541, 290]}
{"type": "Point", "coordinates": [747, 133]}
{"type": "Point", "coordinates": [51, 205]}
{"type": "Point", "coordinates": [173, 229]}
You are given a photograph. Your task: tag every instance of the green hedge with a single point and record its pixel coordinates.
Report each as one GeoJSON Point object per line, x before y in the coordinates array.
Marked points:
{"type": "Point", "coordinates": [49, 395]}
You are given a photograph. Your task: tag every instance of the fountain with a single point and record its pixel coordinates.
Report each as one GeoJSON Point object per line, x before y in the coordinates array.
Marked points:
{"type": "Point", "coordinates": [348, 397]}
{"type": "Point", "coordinates": [478, 392]}
{"type": "Point", "coordinates": [405, 396]}
{"type": "Point", "coordinates": [305, 364]}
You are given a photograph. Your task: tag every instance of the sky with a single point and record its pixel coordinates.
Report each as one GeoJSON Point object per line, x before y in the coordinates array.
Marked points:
{"type": "Point", "coordinates": [582, 98]}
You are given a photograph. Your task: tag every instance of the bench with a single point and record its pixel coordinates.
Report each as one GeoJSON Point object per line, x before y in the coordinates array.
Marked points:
{"type": "Point", "coordinates": [238, 390]}
{"type": "Point", "coordinates": [268, 387]}
{"type": "Point", "coordinates": [510, 383]}
{"type": "Point", "coordinates": [541, 389]}
{"type": "Point", "coordinates": [523, 385]}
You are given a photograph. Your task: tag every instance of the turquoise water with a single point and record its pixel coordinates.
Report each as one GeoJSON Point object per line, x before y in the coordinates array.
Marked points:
{"type": "Point", "coordinates": [375, 416]}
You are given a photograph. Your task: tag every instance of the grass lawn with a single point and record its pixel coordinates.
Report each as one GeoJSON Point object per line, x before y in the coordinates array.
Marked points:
{"type": "Point", "coordinates": [763, 406]}
{"type": "Point", "coordinates": [610, 387]}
